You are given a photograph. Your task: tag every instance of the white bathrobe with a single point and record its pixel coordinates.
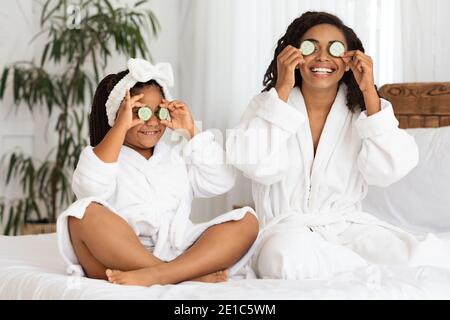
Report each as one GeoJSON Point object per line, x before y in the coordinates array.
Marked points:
{"type": "Point", "coordinates": [309, 207]}
{"type": "Point", "coordinates": [154, 196]}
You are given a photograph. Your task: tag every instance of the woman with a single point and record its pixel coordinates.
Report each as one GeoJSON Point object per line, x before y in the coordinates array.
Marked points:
{"type": "Point", "coordinates": [312, 142]}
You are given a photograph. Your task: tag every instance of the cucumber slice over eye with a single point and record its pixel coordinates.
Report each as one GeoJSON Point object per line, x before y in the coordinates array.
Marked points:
{"type": "Point", "coordinates": [337, 49]}
{"type": "Point", "coordinates": [307, 47]}
{"type": "Point", "coordinates": [163, 114]}
{"type": "Point", "coordinates": [145, 113]}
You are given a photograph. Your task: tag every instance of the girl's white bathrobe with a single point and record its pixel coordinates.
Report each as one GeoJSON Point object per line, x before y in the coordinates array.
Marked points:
{"type": "Point", "coordinates": [154, 196]}
{"type": "Point", "coordinates": [309, 207]}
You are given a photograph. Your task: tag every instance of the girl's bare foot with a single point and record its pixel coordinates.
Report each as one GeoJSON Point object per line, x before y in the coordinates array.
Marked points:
{"type": "Point", "coordinates": [140, 277]}
{"type": "Point", "coordinates": [218, 276]}
{"type": "Point", "coordinates": [149, 276]}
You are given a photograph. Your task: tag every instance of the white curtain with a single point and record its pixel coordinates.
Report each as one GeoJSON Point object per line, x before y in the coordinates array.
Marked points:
{"type": "Point", "coordinates": [226, 46]}
{"type": "Point", "coordinates": [425, 36]}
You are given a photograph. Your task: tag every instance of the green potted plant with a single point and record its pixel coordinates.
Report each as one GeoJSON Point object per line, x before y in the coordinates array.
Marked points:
{"type": "Point", "coordinates": [81, 37]}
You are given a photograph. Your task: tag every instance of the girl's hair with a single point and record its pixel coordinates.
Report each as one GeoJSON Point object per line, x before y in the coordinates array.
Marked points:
{"type": "Point", "coordinates": [98, 121]}
{"type": "Point", "coordinates": [295, 32]}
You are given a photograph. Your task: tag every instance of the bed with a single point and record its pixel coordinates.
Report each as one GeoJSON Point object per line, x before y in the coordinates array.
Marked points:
{"type": "Point", "coordinates": [30, 266]}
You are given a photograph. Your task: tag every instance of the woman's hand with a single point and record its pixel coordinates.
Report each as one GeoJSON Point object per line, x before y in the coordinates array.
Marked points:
{"type": "Point", "coordinates": [125, 119]}
{"type": "Point", "coordinates": [362, 68]}
{"type": "Point", "coordinates": [180, 117]}
{"type": "Point", "coordinates": [288, 60]}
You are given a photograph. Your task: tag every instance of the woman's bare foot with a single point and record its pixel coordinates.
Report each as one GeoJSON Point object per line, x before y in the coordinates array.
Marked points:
{"type": "Point", "coordinates": [149, 276]}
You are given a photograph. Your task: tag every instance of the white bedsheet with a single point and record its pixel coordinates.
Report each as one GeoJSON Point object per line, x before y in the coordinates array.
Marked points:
{"type": "Point", "coordinates": [31, 268]}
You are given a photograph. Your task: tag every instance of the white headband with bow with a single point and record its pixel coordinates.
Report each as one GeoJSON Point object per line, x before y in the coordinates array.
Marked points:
{"type": "Point", "coordinates": [140, 70]}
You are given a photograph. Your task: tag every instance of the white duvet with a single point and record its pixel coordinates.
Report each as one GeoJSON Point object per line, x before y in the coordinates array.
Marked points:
{"type": "Point", "coordinates": [31, 268]}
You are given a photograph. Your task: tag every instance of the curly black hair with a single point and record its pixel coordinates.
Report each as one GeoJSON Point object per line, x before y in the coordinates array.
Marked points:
{"type": "Point", "coordinates": [98, 121]}
{"type": "Point", "coordinates": [295, 32]}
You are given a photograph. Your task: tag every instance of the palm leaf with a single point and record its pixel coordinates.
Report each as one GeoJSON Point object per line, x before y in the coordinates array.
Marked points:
{"type": "Point", "coordinates": [10, 221]}
{"type": "Point", "coordinates": [137, 4]}
{"type": "Point", "coordinates": [45, 16]}
{"type": "Point", "coordinates": [2, 210]}
{"type": "Point", "coordinates": [3, 82]}
{"type": "Point", "coordinates": [12, 167]}
{"type": "Point", "coordinates": [18, 218]}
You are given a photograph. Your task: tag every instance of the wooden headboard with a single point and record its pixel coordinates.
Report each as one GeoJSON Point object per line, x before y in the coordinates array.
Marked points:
{"type": "Point", "coordinates": [419, 105]}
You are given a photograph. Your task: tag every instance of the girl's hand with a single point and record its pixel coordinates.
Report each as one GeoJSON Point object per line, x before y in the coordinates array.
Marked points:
{"type": "Point", "coordinates": [288, 60]}
{"type": "Point", "coordinates": [180, 117]}
{"type": "Point", "coordinates": [124, 119]}
{"type": "Point", "coordinates": [362, 68]}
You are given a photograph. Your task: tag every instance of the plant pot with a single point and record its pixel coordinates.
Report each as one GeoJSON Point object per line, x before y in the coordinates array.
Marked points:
{"type": "Point", "coordinates": [38, 228]}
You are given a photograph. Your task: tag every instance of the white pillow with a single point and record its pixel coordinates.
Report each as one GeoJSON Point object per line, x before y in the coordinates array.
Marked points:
{"type": "Point", "coordinates": [420, 202]}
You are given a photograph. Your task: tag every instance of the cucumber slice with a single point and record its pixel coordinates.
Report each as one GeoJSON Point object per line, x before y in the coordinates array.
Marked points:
{"type": "Point", "coordinates": [145, 113]}
{"type": "Point", "coordinates": [337, 49]}
{"type": "Point", "coordinates": [307, 47]}
{"type": "Point", "coordinates": [163, 114]}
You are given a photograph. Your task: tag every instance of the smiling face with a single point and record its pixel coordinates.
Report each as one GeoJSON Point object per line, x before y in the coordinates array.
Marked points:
{"type": "Point", "coordinates": [143, 137]}
{"type": "Point", "coordinates": [322, 70]}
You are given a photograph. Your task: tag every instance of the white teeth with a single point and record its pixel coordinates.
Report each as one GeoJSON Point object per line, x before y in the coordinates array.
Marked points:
{"type": "Point", "coordinates": [322, 70]}
{"type": "Point", "coordinates": [149, 133]}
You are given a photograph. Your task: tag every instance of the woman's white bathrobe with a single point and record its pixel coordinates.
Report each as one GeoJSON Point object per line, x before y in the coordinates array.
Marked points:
{"type": "Point", "coordinates": [154, 196]}
{"type": "Point", "coordinates": [309, 207]}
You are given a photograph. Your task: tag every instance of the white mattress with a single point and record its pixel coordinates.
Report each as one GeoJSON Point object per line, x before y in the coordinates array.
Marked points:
{"type": "Point", "coordinates": [30, 268]}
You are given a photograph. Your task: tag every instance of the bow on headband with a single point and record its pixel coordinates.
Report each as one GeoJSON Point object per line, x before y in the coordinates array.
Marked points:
{"type": "Point", "coordinates": [139, 71]}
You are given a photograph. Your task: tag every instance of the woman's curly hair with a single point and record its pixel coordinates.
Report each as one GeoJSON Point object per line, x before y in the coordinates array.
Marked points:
{"type": "Point", "coordinates": [293, 35]}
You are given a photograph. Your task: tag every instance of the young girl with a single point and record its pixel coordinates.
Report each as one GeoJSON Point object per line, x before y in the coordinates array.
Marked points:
{"type": "Point", "coordinates": [312, 142]}
{"type": "Point", "coordinates": [131, 224]}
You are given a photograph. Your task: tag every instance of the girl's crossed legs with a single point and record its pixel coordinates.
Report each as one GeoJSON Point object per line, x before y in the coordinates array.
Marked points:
{"type": "Point", "coordinates": [105, 243]}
